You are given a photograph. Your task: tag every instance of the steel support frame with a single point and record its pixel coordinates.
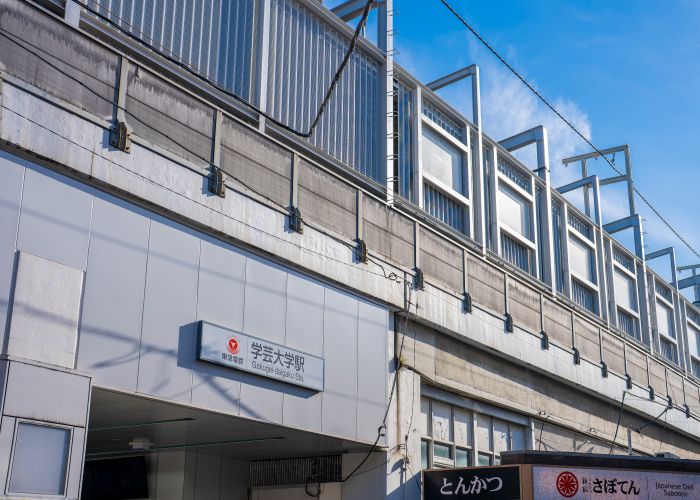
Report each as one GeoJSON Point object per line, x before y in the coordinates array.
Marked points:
{"type": "Point", "coordinates": [538, 136]}
{"type": "Point", "coordinates": [475, 173]}
{"type": "Point", "coordinates": [591, 183]}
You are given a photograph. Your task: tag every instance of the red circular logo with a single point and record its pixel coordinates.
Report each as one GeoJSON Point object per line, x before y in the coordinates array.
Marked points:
{"type": "Point", "coordinates": [232, 345]}
{"type": "Point", "coordinates": [567, 484]}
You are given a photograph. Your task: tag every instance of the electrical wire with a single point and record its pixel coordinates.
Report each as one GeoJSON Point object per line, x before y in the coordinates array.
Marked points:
{"type": "Point", "coordinates": [565, 120]}
{"type": "Point", "coordinates": [170, 56]}
{"type": "Point", "coordinates": [619, 419]}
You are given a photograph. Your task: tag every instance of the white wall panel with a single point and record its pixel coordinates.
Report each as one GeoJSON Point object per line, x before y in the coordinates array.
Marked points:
{"type": "Point", "coordinates": [11, 178]}
{"type": "Point", "coordinates": [340, 352]}
{"type": "Point", "coordinates": [372, 367]}
{"type": "Point", "coordinates": [170, 309]}
{"type": "Point", "coordinates": [55, 218]}
{"type": "Point", "coordinates": [110, 330]}
{"type": "Point", "coordinates": [220, 301]}
{"type": "Point", "coordinates": [265, 300]}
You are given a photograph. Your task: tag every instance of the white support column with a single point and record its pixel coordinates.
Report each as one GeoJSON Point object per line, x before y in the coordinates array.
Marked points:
{"type": "Point", "coordinates": [263, 59]}
{"type": "Point", "coordinates": [418, 147]}
{"type": "Point", "coordinates": [385, 37]}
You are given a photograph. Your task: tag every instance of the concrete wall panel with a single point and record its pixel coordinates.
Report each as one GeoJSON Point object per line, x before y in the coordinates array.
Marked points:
{"type": "Point", "coordinates": [587, 340]}
{"type": "Point", "coordinates": [169, 117]}
{"type": "Point", "coordinates": [557, 323]}
{"type": "Point", "coordinates": [208, 470]}
{"type": "Point", "coordinates": [614, 354]}
{"type": "Point", "coordinates": [325, 199]}
{"type": "Point", "coordinates": [170, 311]}
{"type": "Point", "coordinates": [657, 378]}
{"type": "Point", "coordinates": [110, 330]}
{"type": "Point", "coordinates": [55, 218]}
{"type": "Point", "coordinates": [441, 260]}
{"type": "Point", "coordinates": [45, 311]}
{"type": "Point", "coordinates": [524, 306]}
{"type": "Point", "coordinates": [92, 70]}
{"type": "Point", "coordinates": [486, 284]}
{"type": "Point", "coordinates": [636, 366]}
{"type": "Point", "coordinates": [387, 232]}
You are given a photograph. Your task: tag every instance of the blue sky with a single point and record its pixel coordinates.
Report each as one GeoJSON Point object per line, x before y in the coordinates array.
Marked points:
{"type": "Point", "coordinates": [626, 72]}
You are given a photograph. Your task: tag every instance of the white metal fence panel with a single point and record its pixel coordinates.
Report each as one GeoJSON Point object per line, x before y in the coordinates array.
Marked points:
{"type": "Point", "coordinates": [213, 38]}
{"type": "Point", "coordinates": [305, 53]}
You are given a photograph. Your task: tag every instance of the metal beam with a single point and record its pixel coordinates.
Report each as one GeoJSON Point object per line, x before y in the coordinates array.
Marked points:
{"type": "Point", "coordinates": [595, 154]}
{"type": "Point", "coordinates": [352, 9]}
{"type": "Point", "coordinates": [586, 181]}
{"type": "Point", "coordinates": [671, 252]}
{"type": "Point", "coordinates": [613, 180]}
{"type": "Point", "coordinates": [689, 281]}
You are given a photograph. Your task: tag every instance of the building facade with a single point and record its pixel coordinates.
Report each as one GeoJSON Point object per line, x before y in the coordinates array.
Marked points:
{"type": "Point", "coordinates": [191, 287]}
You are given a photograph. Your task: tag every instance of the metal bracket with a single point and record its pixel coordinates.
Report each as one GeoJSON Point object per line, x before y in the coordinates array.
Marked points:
{"type": "Point", "coordinates": [544, 340]}
{"type": "Point", "coordinates": [577, 356]}
{"type": "Point", "coordinates": [651, 393]}
{"type": "Point", "coordinates": [467, 306]}
{"type": "Point", "coordinates": [628, 379]}
{"type": "Point", "coordinates": [361, 251]}
{"type": "Point", "coordinates": [687, 410]}
{"type": "Point", "coordinates": [670, 402]}
{"type": "Point", "coordinates": [509, 323]}
{"type": "Point", "coordinates": [217, 183]}
{"type": "Point", "coordinates": [418, 279]}
{"type": "Point", "coordinates": [120, 137]}
{"type": "Point", "coordinates": [296, 222]}
{"type": "Point", "coordinates": [604, 369]}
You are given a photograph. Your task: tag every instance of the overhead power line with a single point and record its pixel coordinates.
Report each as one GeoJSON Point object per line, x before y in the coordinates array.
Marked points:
{"type": "Point", "coordinates": [566, 121]}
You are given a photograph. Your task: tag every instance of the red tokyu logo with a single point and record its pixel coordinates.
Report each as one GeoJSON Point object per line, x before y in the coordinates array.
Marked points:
{"type": "Point", "coordinates": [567, 484]}
{"type": "Point", "coordinates": [232, 345]}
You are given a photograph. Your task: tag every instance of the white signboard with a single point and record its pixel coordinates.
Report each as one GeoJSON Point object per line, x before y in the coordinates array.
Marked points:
{"type": "Point", "coordinates": [550, 483]}
{"type": "Point", "coordinates": [243, 352]}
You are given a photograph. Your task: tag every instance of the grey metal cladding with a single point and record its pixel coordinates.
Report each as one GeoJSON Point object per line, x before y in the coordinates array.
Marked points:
{"type": "Point", "coordinates": [169, 117]}
{"type": "Point", "coordinates": [11, 178]}
{"type": "Point", "coordinates": [170, 308]}
{"type": "Point", "coordinates": [84, 61]}
{"type": "Point", "coordinates": [340, 353]}
{"type": "Point", "coordinates": [265, 300]}
{"type": "Point", "coordinates": [304, 56]}
{"type": "Point", "coordinates": [255, 163]}
{"type": "Point", "coordinates": [55, 218]}
{"type": "Point", "coordinates": [327, 200]}
{"type": "Point", "coordinates": [304, 326]}
{"type": "Point", "coordinates": [212, 37]}
{"type": "Point", "coordinates": [55, 396]}
{"type": "Point", "coordinates": [372, 366]}
{"type": "Point", "coordinates": [110, 331]}
{"type": "Point", "coordinates": [75, 473]}
{"type": "Point", "coordinates": [219, 300]}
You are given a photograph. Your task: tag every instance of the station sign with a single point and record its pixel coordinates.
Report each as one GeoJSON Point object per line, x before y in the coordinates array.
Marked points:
{"type": "Point", "coordinates": [250, 354]}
